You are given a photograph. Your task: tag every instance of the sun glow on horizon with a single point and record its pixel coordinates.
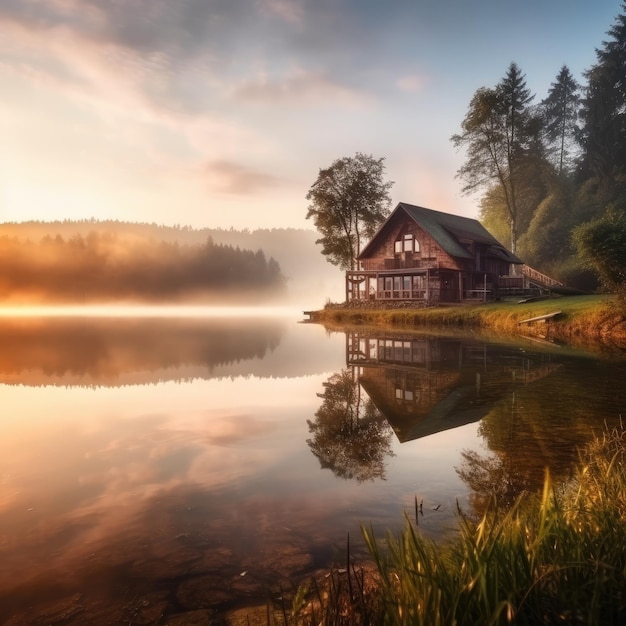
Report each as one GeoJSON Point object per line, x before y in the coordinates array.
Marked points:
{"type": "Point", "coordinates": [148, 311]}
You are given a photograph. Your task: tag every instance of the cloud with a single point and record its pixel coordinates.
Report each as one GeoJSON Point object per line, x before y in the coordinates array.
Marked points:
{"type": "Point", "coordinates": [155, 57]}
{"type": "Point", "coordinates": [233, 178]}
{"type": "Point", "coordinates": [155, 50]}
{"type": "Point", "coordinates": [229, 430]}
{"type": "Point", "coordinates": [131, 81]}
{"type": "Point", "coordinates": [302, 88]}
{"type": "Point", "coordinates": [290, 11]}
{"type": "Point", "coordinates": [410, 83]}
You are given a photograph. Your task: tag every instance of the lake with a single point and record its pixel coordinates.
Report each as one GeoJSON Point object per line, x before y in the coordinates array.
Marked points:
{"type": "Point", "coordinates": [152, 465]}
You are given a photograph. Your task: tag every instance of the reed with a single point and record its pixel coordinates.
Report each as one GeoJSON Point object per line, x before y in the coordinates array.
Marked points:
{"type": "Point", "coordinates": [555, 558]}
{"type": "Point", "coordinates": [558, 557]}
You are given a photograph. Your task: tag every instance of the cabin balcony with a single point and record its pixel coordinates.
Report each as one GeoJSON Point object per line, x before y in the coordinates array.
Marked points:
{"type": "Point", "coordinates": [398, 263]}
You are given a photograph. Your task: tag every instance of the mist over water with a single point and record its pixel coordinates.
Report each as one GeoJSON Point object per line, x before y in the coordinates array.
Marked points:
{"type": "Point", "coordinates": [150, 310]}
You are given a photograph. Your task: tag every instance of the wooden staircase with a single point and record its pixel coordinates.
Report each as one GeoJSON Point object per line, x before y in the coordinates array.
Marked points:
{"type": "Point", "coordinates": [534, 278]}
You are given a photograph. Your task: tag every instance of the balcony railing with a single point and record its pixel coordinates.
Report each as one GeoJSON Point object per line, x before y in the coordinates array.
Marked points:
{"type": "Point", "coordinates": [397, 263]}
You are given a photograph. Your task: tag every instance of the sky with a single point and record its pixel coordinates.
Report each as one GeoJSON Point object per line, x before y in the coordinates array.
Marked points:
{"type": "Point", "coordinates": [220, 113]}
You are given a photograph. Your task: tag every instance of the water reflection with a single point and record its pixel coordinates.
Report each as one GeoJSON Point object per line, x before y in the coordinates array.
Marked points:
{"type": "Point", "coordinates": [424, 385]}
{"type": "Point", "coordinates": [534, 408]}
{"type": "Point", "coordinates": [350, 435]}
{"type": "Point", "coordinates": [146, 464]}
{"type": "Point", "coordinates": [111, 352]}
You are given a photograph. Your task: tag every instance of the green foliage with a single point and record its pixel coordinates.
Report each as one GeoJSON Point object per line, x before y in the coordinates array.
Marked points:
{"type": "Point", "coordinates": [573, 273]}
{"type": "Point", "coordinates": [546, 242]}
{"type": "Point", "coordinates": [349, 201]}
{"type": "Point", "coordinates": [493, 213]}
{"type": "Point", "coordinates": [501, 137]}
{"type": "Point", "coordinates": [601, 244]}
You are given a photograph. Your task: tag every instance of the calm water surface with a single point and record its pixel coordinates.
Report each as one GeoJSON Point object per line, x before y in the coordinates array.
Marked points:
{"type": "Point", "coordinates": [153, 466]}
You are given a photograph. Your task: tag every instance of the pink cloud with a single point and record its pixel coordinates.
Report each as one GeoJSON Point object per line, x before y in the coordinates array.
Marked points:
{"type": "Point", "coordinates": [300, 87]}
{"type": "Point", "coordinates": [234, 178]}
{"type": "Point", "coordinates": [410, 83]}
{"type": "Point", "coordinates": [290, 11]}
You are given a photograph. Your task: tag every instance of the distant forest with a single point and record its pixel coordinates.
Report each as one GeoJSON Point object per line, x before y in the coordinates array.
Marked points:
{"type": "Point", "coordinates": [89, 260]}
{"type": "Point", "coordinates": [105, 266]}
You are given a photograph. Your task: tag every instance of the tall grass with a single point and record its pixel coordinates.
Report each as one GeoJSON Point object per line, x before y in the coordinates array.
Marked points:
{"type": "Point", "coordinates": [555, 558]}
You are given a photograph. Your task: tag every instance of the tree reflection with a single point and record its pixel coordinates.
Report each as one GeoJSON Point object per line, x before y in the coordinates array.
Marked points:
{"type": "Point", "coordinates": [527, 437]}
{"type": "Point", "coordinates": [492, 479]}
{"type": "Point", "coordinates": [499, 478]}
{"type": "Point", "coordinates": [350, 435]}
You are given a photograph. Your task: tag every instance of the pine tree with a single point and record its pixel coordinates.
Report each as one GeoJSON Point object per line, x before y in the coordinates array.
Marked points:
{"type": "Point", "coordinates": [604, 108]}
{"type": "Point", "coordinates": [560, 112]}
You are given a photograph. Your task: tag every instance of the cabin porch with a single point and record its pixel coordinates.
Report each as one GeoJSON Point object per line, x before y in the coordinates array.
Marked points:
{"type": "Point", "coordinates": [424, 286]}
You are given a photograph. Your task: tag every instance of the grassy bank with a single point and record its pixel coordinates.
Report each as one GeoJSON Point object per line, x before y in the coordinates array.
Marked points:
{"type": "Point", "coordinates": [555, 558]}
{"type": "Point", "coordinates": [582, 318]}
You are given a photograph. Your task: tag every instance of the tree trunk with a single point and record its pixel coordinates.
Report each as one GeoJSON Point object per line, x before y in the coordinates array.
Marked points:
{"type": "Point", "coordinates": [513, 235]}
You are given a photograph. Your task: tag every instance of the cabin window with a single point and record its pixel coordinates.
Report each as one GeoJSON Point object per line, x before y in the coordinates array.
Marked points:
{"type": "Point", "coordinates": [404, 394]}
{"type": "Point", "coordinates": [406, 243]}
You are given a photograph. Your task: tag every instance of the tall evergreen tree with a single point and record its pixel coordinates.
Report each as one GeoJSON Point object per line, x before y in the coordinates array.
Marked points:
{"type": "Point", "coordinates": [604, 108]}
{"type": "Point", "coordinates": [560, 111]}
{"type": "Point", "coordinates": [501, 136]}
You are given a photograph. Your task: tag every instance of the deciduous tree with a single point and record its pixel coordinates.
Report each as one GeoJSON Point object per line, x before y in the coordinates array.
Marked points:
{"type": "Point", "coordinates": [601, 243]}
{"type": "Point", "coordinates": [501, 136]}
{"type": "Point", "coordinates": [350, 435]}
{"type": "Point", "coordinates": [349, 201]}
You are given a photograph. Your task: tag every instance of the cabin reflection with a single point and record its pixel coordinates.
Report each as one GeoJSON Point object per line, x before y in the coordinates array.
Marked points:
{"type": "Point", "coordinates": [425, 385]}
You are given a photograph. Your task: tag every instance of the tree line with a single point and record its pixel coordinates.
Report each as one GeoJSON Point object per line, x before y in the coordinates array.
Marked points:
{"type": "Point", "coordinates": [552, 174]}
{"type": "Point", "coordinates": [101, 267]}
{"type": "Point", "coordinates": [293, 249]}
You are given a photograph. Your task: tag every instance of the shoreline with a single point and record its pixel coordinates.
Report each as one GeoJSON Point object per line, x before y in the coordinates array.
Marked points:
{"type": "Point", "coordinates": [591, 322]}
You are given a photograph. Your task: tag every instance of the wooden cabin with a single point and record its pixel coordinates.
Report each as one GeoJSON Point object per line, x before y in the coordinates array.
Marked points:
{"type": "Point", "coordinates": [431, 257]}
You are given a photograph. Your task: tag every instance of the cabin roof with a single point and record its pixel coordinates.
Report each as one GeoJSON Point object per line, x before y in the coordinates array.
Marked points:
{"type": "Point", "coordinates": [446, 229]}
